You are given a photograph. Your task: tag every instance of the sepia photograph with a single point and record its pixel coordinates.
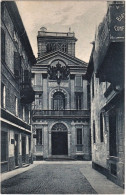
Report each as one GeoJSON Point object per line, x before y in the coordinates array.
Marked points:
{"type": "Point", "coordinates": [62, 97]}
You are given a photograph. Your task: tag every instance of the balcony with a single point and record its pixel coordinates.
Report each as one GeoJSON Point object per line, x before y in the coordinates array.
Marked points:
{"type": "Point", "coordinates": [27, 95]}
{"type": "Point", "coordinates": [41, 114]}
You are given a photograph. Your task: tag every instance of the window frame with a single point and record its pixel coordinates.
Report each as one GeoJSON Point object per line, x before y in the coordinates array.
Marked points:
{"type": "Point", "coordinates": [79, 139]}
{"type": "Point", "coordinates": [94, 132]}
{"type": "Point", "coordinates": [39, 136]}
{"type": "Point", "coordinates": [76, 85]}
{"type": "Point", "coordinates": [78, 100]}
{"type": "Point", "coordinates": [101, 128]}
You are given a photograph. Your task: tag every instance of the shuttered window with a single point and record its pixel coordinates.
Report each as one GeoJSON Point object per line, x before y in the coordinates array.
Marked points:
{"type": "Point", "coordinates": [94, 132]}
{"type": "Point", "coordinates": [26, 77]}
{"type": "Point", "coordinates": [17, 64]}
{"type": "Point", "coordinates": [101, 127]}
{"type": "Point", "coordinates": [39, 136]}
{"type": "Point", "coordinates": [2, 44]}
{"type": "Point", "coordinates": [79, 136]}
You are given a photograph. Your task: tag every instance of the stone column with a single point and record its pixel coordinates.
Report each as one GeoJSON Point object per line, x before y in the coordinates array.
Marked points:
{"type": "Point", "coordinates": [84, 94]}
{"type": "Point", "coordinates": [45, 145]}
{"type": "Point", "coordinates": [50, 143]}
{"type": "Point", "coordinates": [72, 94]}
{"type": "Point", "coordinates": [73, 134]}
{"type": "Point", "coordinates": [69, 143]}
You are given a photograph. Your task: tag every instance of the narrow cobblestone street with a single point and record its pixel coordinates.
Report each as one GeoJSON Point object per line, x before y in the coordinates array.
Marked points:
{"type": "Point", "coordinates": [49, 179]}
{"type": "Point", "coordinates": [68, 177]}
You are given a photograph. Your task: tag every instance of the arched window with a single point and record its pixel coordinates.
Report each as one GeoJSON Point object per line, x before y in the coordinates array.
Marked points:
{"type": "Point", "coordinates": [58, 101]}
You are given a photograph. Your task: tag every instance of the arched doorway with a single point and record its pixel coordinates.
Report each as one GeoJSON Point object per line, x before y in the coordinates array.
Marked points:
{"type": "Point", "coordinates": [59, 139]}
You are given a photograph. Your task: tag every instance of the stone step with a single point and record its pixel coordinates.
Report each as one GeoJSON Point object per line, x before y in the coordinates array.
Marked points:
{"type": "Point", "coordinates": [59, 158]}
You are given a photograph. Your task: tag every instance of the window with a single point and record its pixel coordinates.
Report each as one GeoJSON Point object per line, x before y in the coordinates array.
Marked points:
{"type": "Point", "coordinates": [64, 48]}
{"type": "Point", "coordinates": [92, 86]}
{"type": "Point", "coordinates": [79, 139]}
{"type": "Point", "coordinates": [79, 136]}
{"type": "Point", "coordinates": [4, 146]}
{"type": "Point", "coordinates": [17, 64]}
{"type": "Point", "coordinates": [58, 101]}
{"type": "Point", "coordinates": [78, 81]}
{"type": "Point", "coordinates": [88, 96]}
{"type": "Point", "coordinates": [78, 101]}
{"type": "Point", "coordinates": [112, 133]}
{"type": "Point", "coordinates": [2, 44]}
{"type": "Point", "coordinates": [3, 96]}
{"type": "Point", "coordinates": [23, 113]}
{"type": "Point", "coordinates": [38, 101]}
{"type": "Point", "coordinates": [101, 128]}
{"type": "Point", "coordinates": [94, 131]}
{"type": "Point", "coordinates": [39, 136]}
{"type": "Point", "coordinates": [27, 79]}
{"type": "Point", "coordinates": [16, 106]}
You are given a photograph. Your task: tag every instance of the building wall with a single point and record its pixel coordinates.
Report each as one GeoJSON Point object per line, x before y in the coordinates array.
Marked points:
{"type": "Point", "coordinates": [45, 89]}
{"type": "Point", "coordinates": [98, 101]}
{"type": "Point", "coordinates": [13, 123]}
{"type": "Point", "coordinates": [101, 156]}
{"type": "Point", "coordinates": [45, 149]}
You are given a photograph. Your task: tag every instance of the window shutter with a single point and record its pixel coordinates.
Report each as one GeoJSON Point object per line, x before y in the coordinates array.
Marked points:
{"type": "Point", "coordinates": [2, 44]}
{"type": "Point", "coordinates": [26, 77]}
{"type": "Point", "coordinates": [17, 64]}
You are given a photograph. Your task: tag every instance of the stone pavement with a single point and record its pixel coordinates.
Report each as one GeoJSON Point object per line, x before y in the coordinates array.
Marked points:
{"type": "Point", "coordinates": [94, 182]}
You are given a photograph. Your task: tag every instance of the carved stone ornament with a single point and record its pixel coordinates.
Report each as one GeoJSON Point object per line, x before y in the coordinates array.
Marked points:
{"type": "Point", "coordinates": [58, 72]}
{"type": "Point", "coordinates": [59, 127]}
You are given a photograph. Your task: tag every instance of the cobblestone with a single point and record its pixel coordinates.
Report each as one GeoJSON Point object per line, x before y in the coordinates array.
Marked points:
{"type": "Point", "coordinates": [49, 179]}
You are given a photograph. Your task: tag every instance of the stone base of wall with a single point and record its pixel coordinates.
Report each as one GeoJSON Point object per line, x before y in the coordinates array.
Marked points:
{"type": "Point", "coordinates": [4, 167]}
{"type": "Point", "coordinates": [82, 157]}
{"type": "Point", "coordinates": [27, 159]}
{"type": "Point", "coordinates": [106, 172]}
{"type": "Point", "coordinates": [11, 163]}
{"type": "Point", "coordinates": [100, 169]}
{"type": "Point", "coordinates": [20, 160]}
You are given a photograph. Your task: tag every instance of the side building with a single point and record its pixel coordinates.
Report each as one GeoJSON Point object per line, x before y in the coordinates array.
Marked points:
{"type": "Point", "coordinates": [16, 92]}
{"type": "Point", "coordinates": [106, 76]}
{"type": "Point", "coordinates": [61, 119]}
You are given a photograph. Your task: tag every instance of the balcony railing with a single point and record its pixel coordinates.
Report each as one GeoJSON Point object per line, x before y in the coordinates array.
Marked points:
{"type": "Point", "coordinates": [60, 113]}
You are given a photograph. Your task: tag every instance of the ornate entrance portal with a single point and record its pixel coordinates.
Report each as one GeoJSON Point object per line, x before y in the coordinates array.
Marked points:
{"type": "Point", "coordinates": [59, 139]}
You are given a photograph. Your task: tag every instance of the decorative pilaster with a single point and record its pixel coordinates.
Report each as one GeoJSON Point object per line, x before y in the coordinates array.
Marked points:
{"type": "Point", "coordinates": [45, 134]}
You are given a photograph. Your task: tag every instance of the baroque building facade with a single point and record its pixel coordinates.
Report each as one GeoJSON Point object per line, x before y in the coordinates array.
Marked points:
{"type": "Point", "coordinates": [16, 91]}
{"type": "Point", "coordinates": [106, 76]}
{"type": "Point", "coordinates": [61, 124]}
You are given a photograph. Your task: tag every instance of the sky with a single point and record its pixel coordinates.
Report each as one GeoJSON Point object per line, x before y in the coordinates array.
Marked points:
{"type": "Point", "coordinates": [83, 17]}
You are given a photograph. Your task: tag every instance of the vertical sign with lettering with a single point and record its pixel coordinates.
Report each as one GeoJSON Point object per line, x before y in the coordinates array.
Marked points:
{"type": "Point", "coordinates": [117, 21]}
